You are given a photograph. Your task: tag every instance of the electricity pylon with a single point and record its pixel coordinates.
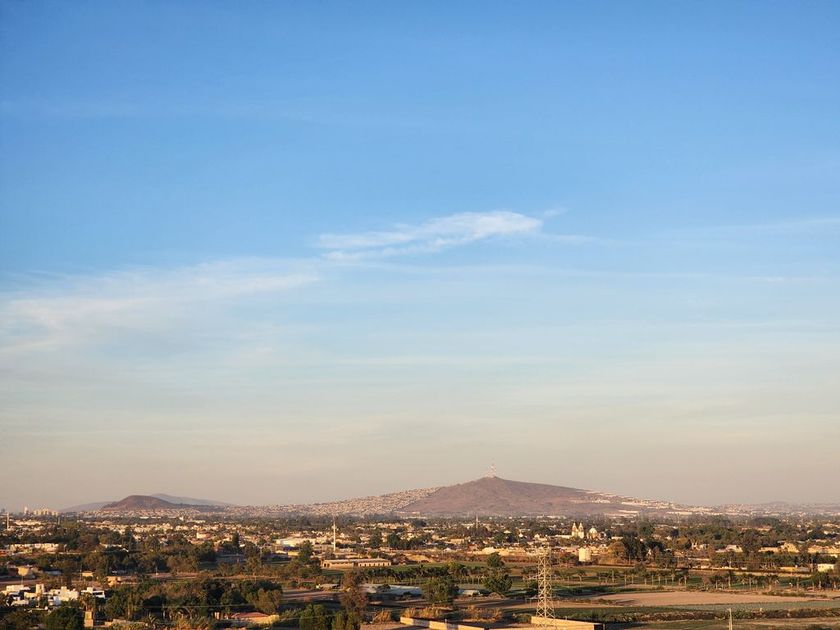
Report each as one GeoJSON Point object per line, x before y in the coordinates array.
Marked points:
{"type": "Point", "coordinates": [545, 599]}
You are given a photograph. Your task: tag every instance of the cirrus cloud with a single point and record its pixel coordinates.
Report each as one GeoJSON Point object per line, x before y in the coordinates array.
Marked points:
{"type": "Point", "coordinates": [433, 235]}
{"type": "Point", "coordinates": [71, 309]}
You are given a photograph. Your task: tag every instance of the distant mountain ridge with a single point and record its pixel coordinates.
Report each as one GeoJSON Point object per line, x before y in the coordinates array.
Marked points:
{"type": "Point", "coordinates": [190, 500]}
{"type": "Point", "coordinates": [138, 503]}
{"type": "Point", "coordinates": [493, 496]}
{"type": "Point", "coordinates": [168, 502]}
{"type": "Point", "coordinates": [488, 496]}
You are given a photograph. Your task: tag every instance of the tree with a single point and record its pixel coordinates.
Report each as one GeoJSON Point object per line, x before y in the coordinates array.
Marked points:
{"type": "Point", "coordinates": [457, 570]}
{"type": "Point", "coordinates": [498, 582]}
{"type": "Point", "coordinates": [268, 602]}
{"type": "Point", "coordinates": [203, 553]}
{"type": "Point", "coordinates": [69, 567]}
{"type": "Point", "coordinates": [231, 600]}
{"type": "Point", "coordinates": [354, 599]}
{"type": "Point", "coordinates": [116, 606]}
{"type": "Point", "coordinates": [750, 542]}
{"type": "Point", "coordinates": [634, 549]}
{"type": "Point", "coordinates": [440, 590]}
{"type": "Point", "coordinates": [305, 552]}
{"type": "Point", "coordinates": [90, 603]}
{"type": "Point", "coordinates": [531, 588]}
{"type": "Point", "coordinates": [65, 617]}
{"type": "Point", "coordinates": [494, 561]}
{"type": "Point", "coordinates": [314, 617]}
{"type": "Point", "coordinates": [19, 620]}
{"type": "Point", "coordinates": [345, 620]}
{"type": "Point", "coordinates": [231, 546]}
{"type": "Point", "coordinates": [124, 603]}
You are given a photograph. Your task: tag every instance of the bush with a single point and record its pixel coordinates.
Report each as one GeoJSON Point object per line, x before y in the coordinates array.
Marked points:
{"type": "Point", "coordinates": [386, 616]}
{"type": "Point", "coordinates": [474, 613]}
{"type": "Point", "coordinates": [431, 612]}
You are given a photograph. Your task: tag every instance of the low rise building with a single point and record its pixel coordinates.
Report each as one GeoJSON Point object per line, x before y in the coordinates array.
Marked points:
{"type": "Point", "coordinates": [355, 563]}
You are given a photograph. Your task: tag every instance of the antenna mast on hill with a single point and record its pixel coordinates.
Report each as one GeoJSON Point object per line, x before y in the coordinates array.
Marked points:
{"type": "Point", "coordinates": [545, 602]}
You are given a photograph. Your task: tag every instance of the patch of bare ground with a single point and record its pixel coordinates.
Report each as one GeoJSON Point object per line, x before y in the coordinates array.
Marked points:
{"type": "Point", "coordinates": [722, 624]}
{"type": "Point", "coordinates": [687, 598]}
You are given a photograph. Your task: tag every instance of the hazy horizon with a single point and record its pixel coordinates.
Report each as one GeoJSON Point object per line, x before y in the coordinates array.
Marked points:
{"type": "Point", "coordinates": [277, 253]}
{"type": "Point", "coordinates": [327, 498]}
{"type": "Point", "coordinates": [300, 496]}
{"type": "Point", "coordinates": [301, 501]}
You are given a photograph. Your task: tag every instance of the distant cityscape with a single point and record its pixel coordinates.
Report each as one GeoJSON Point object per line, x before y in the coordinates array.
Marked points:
{"type": "Point", "coordinates": [145, 561]}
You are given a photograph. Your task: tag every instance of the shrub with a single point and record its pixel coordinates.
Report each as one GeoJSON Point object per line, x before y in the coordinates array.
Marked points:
{"type": "Point", "coordinates": [385, 616]}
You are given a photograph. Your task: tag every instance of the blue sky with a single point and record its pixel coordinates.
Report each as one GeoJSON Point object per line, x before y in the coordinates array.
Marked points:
{"type": "Point", "coordinates": [275, 252]}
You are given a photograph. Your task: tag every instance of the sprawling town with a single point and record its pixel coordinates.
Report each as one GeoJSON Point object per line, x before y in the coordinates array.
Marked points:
{"type": "Point", "coordinates": [149, 569]}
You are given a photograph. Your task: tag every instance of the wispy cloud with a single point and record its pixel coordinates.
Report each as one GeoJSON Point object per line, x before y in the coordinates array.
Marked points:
{"type": "Point", "coordinates": [75, 308]}
{"type": "Point", "coordinates": [66, 311]}
{"type": "Point", "coordinates": [554, 212]}
{"type": "Point", "coordinates": [434, 235]}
